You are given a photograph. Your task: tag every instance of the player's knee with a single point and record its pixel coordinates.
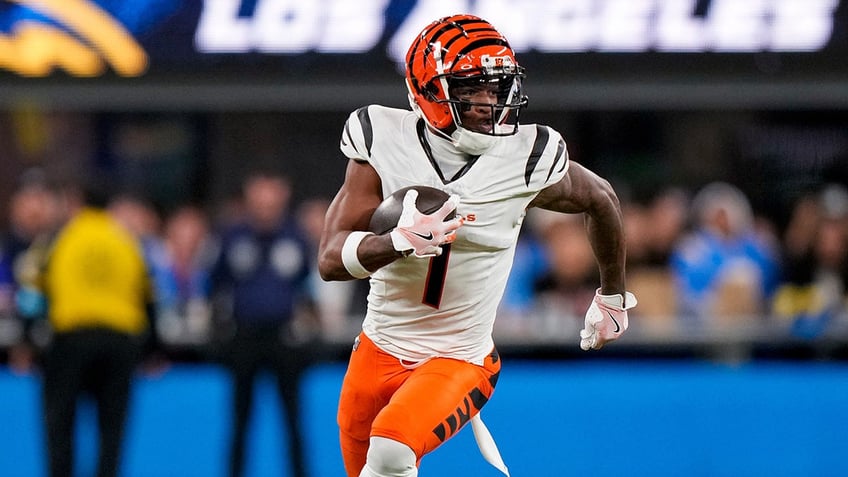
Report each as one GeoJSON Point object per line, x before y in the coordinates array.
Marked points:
{"type": "Point", "coordinates": [389, 458]}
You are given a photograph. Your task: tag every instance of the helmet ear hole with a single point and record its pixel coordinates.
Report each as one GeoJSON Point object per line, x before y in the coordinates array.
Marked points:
{"type": "Point", "coordinates": [437, 115]}
{"type": "Point", "coordinates": [431, 89]}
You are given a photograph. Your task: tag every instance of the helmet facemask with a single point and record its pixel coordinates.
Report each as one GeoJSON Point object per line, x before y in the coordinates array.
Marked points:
{"type": "Point", "coordinates": [499, 75]}
{"type": "Point", "coordinates": [503, 113]}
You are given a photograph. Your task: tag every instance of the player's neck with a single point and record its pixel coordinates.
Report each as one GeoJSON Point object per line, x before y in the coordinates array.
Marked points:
{"type": "Point", "coordinates": [449, 159]}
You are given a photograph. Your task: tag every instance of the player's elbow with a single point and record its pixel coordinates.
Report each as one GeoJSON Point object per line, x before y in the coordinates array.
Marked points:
{"type": "Point", "coordinates": [330, 267]}
{"type": "Point", "coordinates": [327, 268]}
{"type": "Point", "coordinates": [605, 196]}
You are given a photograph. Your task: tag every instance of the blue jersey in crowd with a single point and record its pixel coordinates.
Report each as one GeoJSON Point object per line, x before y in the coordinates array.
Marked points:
{"type": "Point", "coordinates": [266, 272]}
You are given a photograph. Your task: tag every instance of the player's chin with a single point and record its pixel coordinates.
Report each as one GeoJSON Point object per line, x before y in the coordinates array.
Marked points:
{"type": "Point", "coordinates": [481, 127]}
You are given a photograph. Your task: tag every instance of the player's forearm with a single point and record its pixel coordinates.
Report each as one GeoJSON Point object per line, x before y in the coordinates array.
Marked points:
{"type": "Point", "coordinates": [606, 233]}
{"type": "Point", "coordinates": [373, 253]}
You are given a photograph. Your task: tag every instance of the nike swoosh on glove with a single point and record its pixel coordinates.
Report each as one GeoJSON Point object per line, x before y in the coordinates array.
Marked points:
{"type": "Point", "coordinates": [424, 234]}
{"type": "Point", "coordinates": [606, 319]}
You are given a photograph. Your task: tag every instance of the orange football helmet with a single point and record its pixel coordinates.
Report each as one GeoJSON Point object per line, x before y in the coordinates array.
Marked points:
{"type": "Point", "coordinates": [462, 51]}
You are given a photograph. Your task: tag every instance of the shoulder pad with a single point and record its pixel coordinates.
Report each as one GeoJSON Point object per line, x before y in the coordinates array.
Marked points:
{"type": "Point", "coordinates": [547, 162]}
{"type": "Point", "coordinates": [358, 135]}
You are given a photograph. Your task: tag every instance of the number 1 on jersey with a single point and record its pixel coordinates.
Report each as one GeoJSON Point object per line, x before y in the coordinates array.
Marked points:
{"type": "Point", "coordinates": [434, 287]}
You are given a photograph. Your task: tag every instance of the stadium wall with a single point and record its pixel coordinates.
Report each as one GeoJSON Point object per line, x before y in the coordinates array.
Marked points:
{"type": "Point", "coordinates": [549, 418]}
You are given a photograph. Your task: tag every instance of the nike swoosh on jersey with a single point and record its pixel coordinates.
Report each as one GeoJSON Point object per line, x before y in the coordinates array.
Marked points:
{"type": "Point", "coordinates": [617, 327]}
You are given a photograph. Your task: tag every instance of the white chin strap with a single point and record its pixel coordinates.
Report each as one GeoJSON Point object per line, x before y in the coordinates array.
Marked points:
{"type": "Point", "coordinates": [412, 104]}
{"type": "Point", "coordinates": [471, 142]}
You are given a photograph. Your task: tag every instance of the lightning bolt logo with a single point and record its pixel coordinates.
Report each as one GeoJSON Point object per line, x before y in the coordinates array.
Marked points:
{"type": "Point", "coordinates": [83, 41]}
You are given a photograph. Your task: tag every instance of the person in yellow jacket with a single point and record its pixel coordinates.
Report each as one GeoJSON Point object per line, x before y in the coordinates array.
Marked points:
{"type": "Point", "coordinates": [98, 293]}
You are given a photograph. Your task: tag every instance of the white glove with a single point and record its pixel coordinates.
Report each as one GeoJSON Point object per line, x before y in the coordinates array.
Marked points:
{"type": "Point", "coordinates": [422, 234]}
{"type": "Point", "coordinates": [606, 319]}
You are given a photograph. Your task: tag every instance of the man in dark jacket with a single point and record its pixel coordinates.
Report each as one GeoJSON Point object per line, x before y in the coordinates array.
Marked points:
{"type": "Point", "coordinates": [263, 270]}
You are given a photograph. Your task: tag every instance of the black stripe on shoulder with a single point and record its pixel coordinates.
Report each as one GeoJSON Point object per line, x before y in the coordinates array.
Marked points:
{"type": "Point", "coordinates": [536, 153]}
{"type": "Point", "coordinates": [347, 135]}
{"type": "Point", "coordinates": [560, 156]}
{"type": "Point", "coordinates": [367, 129]}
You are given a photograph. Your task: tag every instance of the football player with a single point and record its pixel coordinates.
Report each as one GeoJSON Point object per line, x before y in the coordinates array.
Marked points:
{"type": "Point", "coordinates": [425, 362]}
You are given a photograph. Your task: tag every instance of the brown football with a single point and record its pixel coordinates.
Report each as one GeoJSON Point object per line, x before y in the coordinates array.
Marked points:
{"type": "Point", "coordinates": [387, 214]}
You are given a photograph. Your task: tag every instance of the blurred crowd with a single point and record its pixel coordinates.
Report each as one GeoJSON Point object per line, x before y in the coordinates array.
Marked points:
{"type": "Point", "coordinates": [701, 262]}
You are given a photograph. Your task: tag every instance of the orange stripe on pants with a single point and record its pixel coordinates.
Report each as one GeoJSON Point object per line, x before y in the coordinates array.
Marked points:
{"type": "Point", "coordinates": [421, 407]}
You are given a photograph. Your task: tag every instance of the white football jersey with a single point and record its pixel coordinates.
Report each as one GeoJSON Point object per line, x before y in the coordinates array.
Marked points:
{"type": "Point", "coordinates": [445, 306]}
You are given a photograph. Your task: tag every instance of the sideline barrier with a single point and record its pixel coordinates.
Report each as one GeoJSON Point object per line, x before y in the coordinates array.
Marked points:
{"type": "Point", "coordinates": [637, 417]}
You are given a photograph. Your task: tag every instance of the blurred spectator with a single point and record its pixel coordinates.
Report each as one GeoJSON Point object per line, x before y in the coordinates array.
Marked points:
{"type": "Point", "coordinates": [653, 230]}
{"type": "Point", "coordinates": [34, 215]}
{"type": "Point", "coordinates": [530, 268]}
{"type": "Point", "coordinates": [97, 292]}
{"type": "Point", "coordinates": [140, 217]}
{"type": "Point", "coordinates": [654, 227]}
{"type": "Point", "coordinates": [636, 219]}
{"type": "Point", "coordinates": [263, 269]}
{"type": "Point", "coordinates": [572, 276]}
{"type": "Point", "coordinates": [667, 218]}
{"type": "Point", "coordinates": [137, 214]}
{"type": "Point", "coordinates": [813, 293]}
{"type": "Point", "coordinates": [725, 270]}
{"type": "Point", "coordinates": [333, 299]}
{"type": "Point", "coordinates": [181, 276]}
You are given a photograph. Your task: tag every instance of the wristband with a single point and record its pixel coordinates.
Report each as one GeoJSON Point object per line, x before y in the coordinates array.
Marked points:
{"type": "Point", "coordinates": [350, 259]}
